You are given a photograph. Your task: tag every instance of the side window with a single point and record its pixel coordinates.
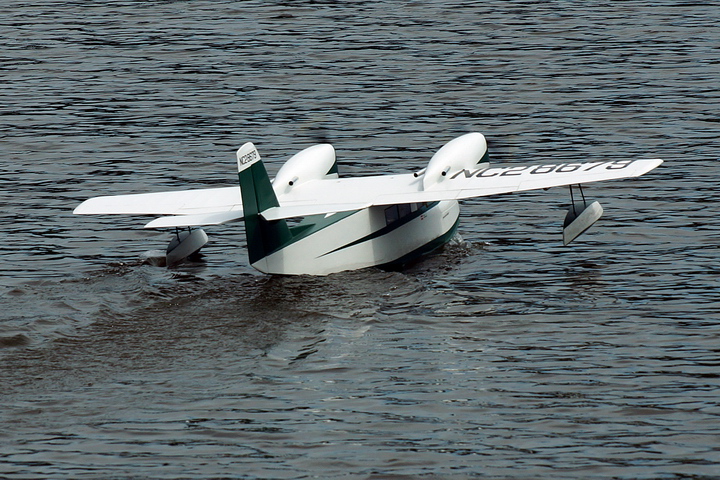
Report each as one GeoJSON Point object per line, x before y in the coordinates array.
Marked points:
{"type": "Point", "coordinates": [404, 210]}
{"type": "Point", "coordinates": [391, 214]}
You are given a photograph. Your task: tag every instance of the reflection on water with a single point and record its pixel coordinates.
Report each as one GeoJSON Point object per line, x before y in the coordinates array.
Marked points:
{"type": "Point", "coordinates": [506, 355]}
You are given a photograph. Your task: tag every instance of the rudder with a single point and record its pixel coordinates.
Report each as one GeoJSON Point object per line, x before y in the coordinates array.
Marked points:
{"type": "Point", "coordinates": [263, 237]}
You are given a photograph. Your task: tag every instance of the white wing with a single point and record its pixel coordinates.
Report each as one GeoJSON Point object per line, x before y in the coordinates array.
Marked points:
{"type": "Point", "coordinates": [214, 206]}
{"type": "Point", "coordinates": [185, 202]}
{"type": "Point", "coordinates": [345, 194]}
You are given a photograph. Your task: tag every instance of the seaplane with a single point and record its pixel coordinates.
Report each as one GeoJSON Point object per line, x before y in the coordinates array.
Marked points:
{"type": "Point", "coordinates": [308, 220]}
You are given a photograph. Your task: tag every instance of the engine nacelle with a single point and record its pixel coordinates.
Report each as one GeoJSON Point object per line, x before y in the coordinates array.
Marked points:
{"type": "Point", "coordinates": [462, 153]}
{"type": "Point", "coordinates": [313, 163]}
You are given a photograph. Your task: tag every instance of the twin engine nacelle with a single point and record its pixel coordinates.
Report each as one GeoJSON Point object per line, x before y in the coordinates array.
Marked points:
{"type": "Point", "coordinates": [466, 152]}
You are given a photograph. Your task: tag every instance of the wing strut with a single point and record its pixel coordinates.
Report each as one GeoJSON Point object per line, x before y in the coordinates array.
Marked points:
{"type": "Point", "coordinates": [580, 216]}
{"type": "Point", "coordinates": [572, 200]}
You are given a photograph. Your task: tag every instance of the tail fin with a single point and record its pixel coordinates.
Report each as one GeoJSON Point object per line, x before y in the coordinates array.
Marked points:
{"type": "Point", "coordinates": [263, 237]}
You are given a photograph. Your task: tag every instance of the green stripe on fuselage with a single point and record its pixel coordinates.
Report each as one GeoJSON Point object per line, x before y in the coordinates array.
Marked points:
{"type": "Point", "coordinates": [425, 249]}
{"type": "Point", "coordinates": [388, 228]}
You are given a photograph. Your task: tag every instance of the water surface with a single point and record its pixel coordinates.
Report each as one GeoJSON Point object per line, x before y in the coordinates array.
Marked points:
{"type": "Point", "coordinates": [506, 355]}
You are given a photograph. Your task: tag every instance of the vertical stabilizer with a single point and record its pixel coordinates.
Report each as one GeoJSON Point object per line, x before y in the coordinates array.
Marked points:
{"type": "Point", "coordinates": [263, 237]}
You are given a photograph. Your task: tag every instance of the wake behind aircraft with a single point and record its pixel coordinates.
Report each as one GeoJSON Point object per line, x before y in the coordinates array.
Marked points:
{"type": "Point", "coordinates": [308, 220]}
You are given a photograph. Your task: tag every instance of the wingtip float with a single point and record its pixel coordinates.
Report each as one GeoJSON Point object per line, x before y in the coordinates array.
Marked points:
{"type": "Point", "coordinates": [353, 223]}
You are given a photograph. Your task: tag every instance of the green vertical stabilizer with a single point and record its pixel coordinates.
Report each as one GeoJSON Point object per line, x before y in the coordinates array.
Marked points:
{"type": "Point", "coordinates": [263, 237]}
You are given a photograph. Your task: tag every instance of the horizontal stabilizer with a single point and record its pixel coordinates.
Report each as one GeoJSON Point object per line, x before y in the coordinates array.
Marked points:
{"type": "Point", "coordinates": [195, 220]}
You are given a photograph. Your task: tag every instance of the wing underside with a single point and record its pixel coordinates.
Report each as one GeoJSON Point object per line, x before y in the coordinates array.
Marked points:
{"type": "Point", "coordinates": [196, 220]}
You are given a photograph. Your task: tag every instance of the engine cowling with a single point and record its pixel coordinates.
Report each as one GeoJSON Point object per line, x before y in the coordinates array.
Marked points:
{"type": "Point", "coordinates": [313, 163]}
{"type": "Point", "coordinates": [464, 152]}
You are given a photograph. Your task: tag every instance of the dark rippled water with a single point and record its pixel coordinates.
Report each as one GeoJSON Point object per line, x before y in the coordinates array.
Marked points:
{"type": "Point", "coordinates": [504, 356]}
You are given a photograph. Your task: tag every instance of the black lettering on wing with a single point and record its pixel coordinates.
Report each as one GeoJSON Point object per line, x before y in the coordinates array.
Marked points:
{"type": "Point", "coordinates": [467, 173]}
{"type": "Point", "coordinates": [619, 164]}
{"type": "Point", "coordinates": [569, 167]}
{"type": "Point", "coordinates": [593, 165]}
{"type": "Point", "coordinates": [481, 173]}
{"type": "Point", "coordinates": [541, 169]}
{"type": "Point", "coordinates": [513, 171]}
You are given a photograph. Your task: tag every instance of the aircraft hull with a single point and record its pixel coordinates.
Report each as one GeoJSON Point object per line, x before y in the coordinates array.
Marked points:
{"type": "Point", "coordinates": [363, 239]}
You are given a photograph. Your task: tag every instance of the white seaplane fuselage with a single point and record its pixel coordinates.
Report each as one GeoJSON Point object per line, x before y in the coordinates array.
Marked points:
{"type": "Point", "coordinates": [308, 220]}
{"type": "Point", "coordinates": [375, 236]}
